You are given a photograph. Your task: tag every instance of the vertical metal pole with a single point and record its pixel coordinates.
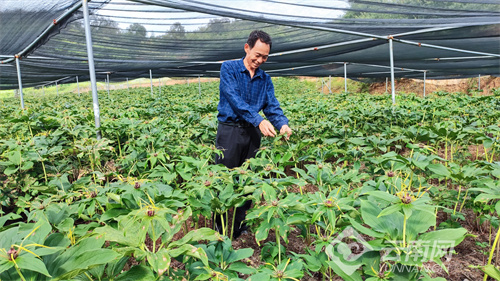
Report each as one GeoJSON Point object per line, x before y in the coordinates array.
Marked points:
{"type": "Point", "coordinates": [479, 82]}
{"type": "Point", "coordinates": [330, 83]}
{"type": "Point", "coordinates": [78, 85]}
{"type": "Point", "coordinates": [107, 82]}
{"type": "Point", "coordinates": [20, 82]}
{"type": "Point", "coordinates": [386, 80]}
{"type": "Point", "coordinates": [345, 77]}
{"type": "Point", "coordinates": [93, 81]}
{"type": "Point", "coordinates": [151, 79]}
{"type": "Point", "coordinates": [199, 86]}
{"type": "Point", "coordinates": [128, 89]}
{"type": "Point", "coordinates": [425, 74]}
{"type": "Point", "coordinates": [391, 54]}
{"type": "Point", "coordinates": [57, 89]}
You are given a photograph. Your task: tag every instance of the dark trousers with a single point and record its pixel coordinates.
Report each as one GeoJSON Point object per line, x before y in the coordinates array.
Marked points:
{"type": "Point", "coordinates": [238, 143]}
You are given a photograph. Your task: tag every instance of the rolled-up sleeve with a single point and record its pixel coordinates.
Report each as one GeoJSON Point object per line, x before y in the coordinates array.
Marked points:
{"type": "Point", "coordinates": [272, 109]}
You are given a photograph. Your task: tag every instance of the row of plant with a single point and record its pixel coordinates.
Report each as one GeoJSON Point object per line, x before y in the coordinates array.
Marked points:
{"type": "Point", "coordinates": [360, 179]}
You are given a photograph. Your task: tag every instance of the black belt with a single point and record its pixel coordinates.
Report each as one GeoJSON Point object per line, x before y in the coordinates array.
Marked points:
{"type": "Point", "coordinates": [237, 124]}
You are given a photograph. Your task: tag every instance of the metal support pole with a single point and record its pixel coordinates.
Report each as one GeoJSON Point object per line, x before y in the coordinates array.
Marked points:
{"type": "Point", "coordinates": [345, 77]}
{"type": "Point", "coordinates": [90, 55]}
{"type": "Point", "coordinates": [386, 81]}
{"type": "Point", "coordinates": [78, 85]}
{"type": "Point", "coordinates": [425, 74]}
{"type": "Point", "coordinates": [479, 82]}
{"type": "Point", "coordinates": [391, 54]}
{"type": "Point", "coordinates": [330, 83]}
{"type": "Point", "coordinates": [199, 86]}
{"type": "Point", "coordinates": [151, 80]}
{"type": "Point", "coordinates": [128, 89]}
{"type": "Point", "coordinates": [107, 82]}
{"type": "Point", "coordinates": [20, 82]}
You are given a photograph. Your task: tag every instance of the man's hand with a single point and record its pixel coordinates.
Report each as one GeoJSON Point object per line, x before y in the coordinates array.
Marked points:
{"type": "Point", "coordinates": [286, 130]}
{"type": "Point", "coordinates": [267, 128]}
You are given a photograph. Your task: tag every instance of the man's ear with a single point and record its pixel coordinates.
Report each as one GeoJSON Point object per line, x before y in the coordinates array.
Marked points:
{"type": "Point", "coordinates": [247, 48]}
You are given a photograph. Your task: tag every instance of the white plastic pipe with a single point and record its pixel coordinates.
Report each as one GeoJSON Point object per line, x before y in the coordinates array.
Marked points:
{"type": "Point", "coordinates": [90, 55]}
{"type": "Point", "coordinates": [20, 82]}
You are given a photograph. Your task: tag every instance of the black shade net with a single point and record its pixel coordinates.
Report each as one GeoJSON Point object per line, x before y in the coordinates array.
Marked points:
{"type": "Point", "coordinates": [444, 39]}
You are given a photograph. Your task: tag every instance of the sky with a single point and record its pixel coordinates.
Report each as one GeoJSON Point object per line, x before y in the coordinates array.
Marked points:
{"type": "Point", "coordinates": [159, 22]}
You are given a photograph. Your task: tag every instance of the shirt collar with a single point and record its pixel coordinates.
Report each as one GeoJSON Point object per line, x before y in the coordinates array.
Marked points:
{"type": "Point", "coordinates": [242, 68]}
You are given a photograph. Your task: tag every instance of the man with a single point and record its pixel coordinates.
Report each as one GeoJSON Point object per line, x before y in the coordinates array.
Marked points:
{"type": "Point", "coordinates": [245, 90]}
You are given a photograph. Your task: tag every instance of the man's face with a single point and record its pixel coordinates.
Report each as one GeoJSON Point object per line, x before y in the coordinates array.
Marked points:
{"type": "Point", "coordinates": [257, 55]}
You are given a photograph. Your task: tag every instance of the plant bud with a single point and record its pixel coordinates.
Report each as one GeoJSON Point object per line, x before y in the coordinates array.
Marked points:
{"type": "Point", "coordinates": [12, 253]}
{"type": "Point", "coordinates": [151, 212]}
{"type": "Point", "coordinates": [328, 203]}
{"type": "Point", "coordinates": [390, 174]}
{"type": "Point", "coordinates": [406, 199]}
{"type": "Point", "coordinates": [137, 185]}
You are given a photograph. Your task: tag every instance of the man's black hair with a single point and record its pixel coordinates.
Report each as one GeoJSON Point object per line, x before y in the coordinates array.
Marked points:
{"type": "Point", "coordinates": [259, 35]}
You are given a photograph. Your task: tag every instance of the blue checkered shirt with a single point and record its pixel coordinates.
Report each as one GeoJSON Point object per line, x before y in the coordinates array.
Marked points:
{"type": "Point", "coordinates": [242, 97]}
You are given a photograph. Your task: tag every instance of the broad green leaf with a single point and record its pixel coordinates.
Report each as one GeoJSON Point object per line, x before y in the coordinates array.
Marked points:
{"type": "Point", "coordinates": [389, 210]}
{"type": "Point", "coordinates": [492, 271]}
{"type": "Point", "coordinates": [113, 213]}
{"type": "Point", "coordinates": [5, 264]}
{"type": "Point", "coordinates": [196, 235]}
{"type": "Point", "coordinates": [497, 207]}
{"type": "Point", "coordinates": [131, 237]}
{"type": "Point", "coordinates": [263, 276]}
{"type": "Point", "coordinates": [242, 268]}
{"type": "Point", "coordinates": [10, 170]}
{"type": "Point", "coordinates": [439, 169]}
{"type": "Point", "coordinates": [391, 224]}
{"type": "Point", "coordinates": [14, 157]}
{"type": "Point", "coordinates": [240, 254]}
{"type": "Point", "coordinates": [9, 216]}
{"type": "Point", "coordinates": [386, 196]}
{"type": "Point", "coordinates": [367, 231]}
{"type": "Point", "coordinates": [160, 261]}
{"type": "Point", "coordinates": [27, 165]}
{"type": "Point", "coordinates": [137, 273]}
{"type": "Point", "coordinates": [442, 239]}
{"type": "Point", "coordinates": [190, 250]}
{"type": "Point", "coordinates": [30, 262]}
{"type": "Point", "coordinates": [74, 265]}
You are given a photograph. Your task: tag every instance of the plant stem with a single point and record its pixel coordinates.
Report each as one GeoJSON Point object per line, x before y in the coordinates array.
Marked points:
{"type": "Point", "coordinates": [278, 244]}
{"type": "Point", "coordinates": [404, 230]}
{"type": "Point", "coordinates": [86, 274]}
{"type": "Point", "coordinates": [234, 226]}
{"type": "Point", "coordinates": [119, 146]}
{"type": "Point", "coordinates": [223, 226]}
{"type": "Point", "coordinates": [491, 252]}
{"type": "Point", "coordinates": [19, 272]}
{"type": "Point", "coordinates": [154, 238]}
{"type": "Point", "coordinates": [446, 152]}
{"type": "Point", "coordinates": [458, 198]}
